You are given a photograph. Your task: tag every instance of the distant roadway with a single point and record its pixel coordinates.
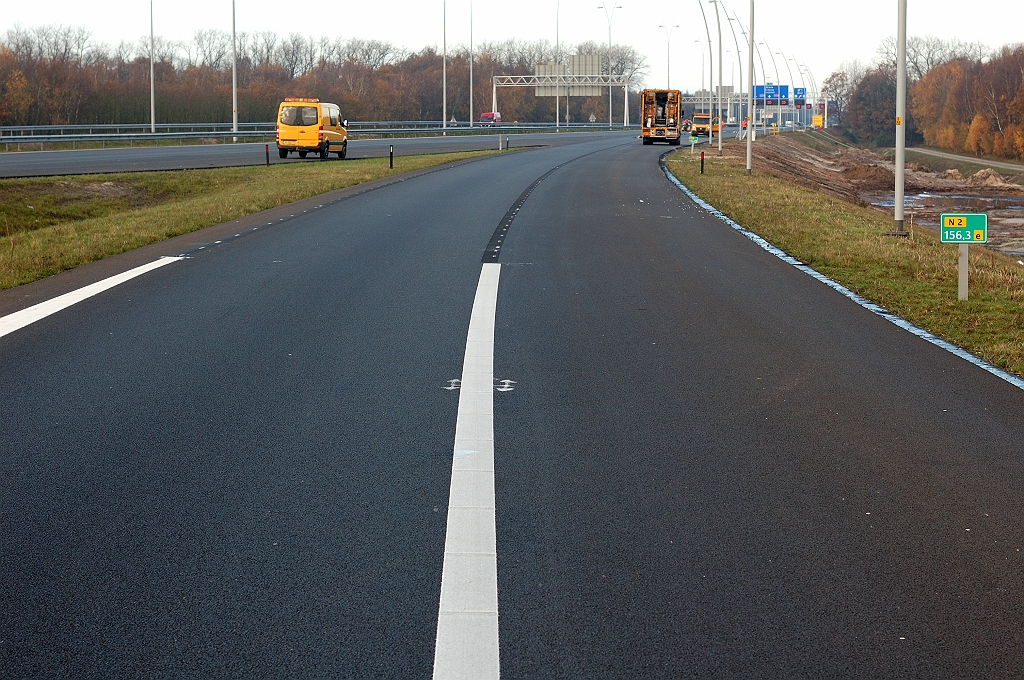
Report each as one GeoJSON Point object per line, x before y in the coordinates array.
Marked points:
{"type": "Point", "coordinates": [88, 161]}
{"type": "Point", "coordinates": [1003, 165]}
{"type": "Point", "coordinates": [706, 463]}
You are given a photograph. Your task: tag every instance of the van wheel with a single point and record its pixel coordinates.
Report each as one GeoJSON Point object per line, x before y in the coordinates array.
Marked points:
{"type": "Point", "coordinates": [344, 150]}
{"type": "Point", "coordinates": [325, 150]}
{"type": "Point", "coordinates": [302, 154]}
{"type": "Point", "coordinates": [283, 153]}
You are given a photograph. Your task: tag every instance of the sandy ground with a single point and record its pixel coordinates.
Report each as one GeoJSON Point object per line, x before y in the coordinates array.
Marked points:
{"type": "Point", "coordinates": [861, 176]}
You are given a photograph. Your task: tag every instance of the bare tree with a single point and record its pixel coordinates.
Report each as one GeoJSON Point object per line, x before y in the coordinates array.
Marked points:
{"type": "Point", "coordinates": [212, 48]}
{"type": "Point", "coordinates": [264, 48]}
{"type": "Point", "coordinates": [164, 50]}
{"type": "Point", "coordinates": [925, 53]}
{"type": "Point", "coordinates": [297, 54]}
{"type": "Point", "coordinates": [371, 53]}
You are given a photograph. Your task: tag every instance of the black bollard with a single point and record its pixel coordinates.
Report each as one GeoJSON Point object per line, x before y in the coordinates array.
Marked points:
{"type": "Point", "coordinates": [268, 155]}
{"type": "Point", "coordinates": [391, 160]}
{"type": "Point", "coordinates": [702, 162]}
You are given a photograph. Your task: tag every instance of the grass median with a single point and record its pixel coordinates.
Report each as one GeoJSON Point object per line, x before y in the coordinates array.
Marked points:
{"type": "Point", "coordinates": [914, 277]}
{"type": "Point", "coordinates": [50, 224]}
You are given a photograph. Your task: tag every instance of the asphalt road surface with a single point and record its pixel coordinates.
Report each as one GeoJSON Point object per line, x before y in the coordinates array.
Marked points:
{"type": "Point", "coordinates": [87, 161]}
{"type": "Point", "coordinates": [706, 462]}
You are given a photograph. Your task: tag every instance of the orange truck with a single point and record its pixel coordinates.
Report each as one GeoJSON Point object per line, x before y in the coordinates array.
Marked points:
{"type": "Point", "coordinates": [661, 116]}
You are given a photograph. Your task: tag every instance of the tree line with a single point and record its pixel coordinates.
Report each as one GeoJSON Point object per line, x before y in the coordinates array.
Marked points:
{"type": "Point", "coordinates": [56, 75]}
{"type": "Point", "coordinates": [960, 96]}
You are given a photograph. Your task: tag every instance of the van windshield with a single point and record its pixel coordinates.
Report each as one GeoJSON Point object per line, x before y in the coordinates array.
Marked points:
{"type": "Point", "coordinates": [299, 115]}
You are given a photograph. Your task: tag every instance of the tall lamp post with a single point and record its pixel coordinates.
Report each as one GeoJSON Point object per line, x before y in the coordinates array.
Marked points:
{"type": "Point", "coordinates": [471, 58]}
{"type": "Point", "coordinates": [750, 93]}
{"type": "Point", "coordinates": [668, 54]}
{"type": "Point", "coordinates": [701, 43]}
{"type": "Point", "coordinates": [803, 84]}
{"type": "Point", "coordinates": [736, 41]}
{"type": "Point", "coordinates": [732, 87]}
{"type": "Point", "coordinates": [711, 72]}
{"type": "Point", "coordinates": [444, 67]}
{"type": "Point", "coordinates": [609, 13]}
{"type": "Point", "coordinates": [814, 85]}
{"type": "Point", "coordinates": [751, 46]}
{"type": "Point", "coordinates": [234, 76]}
{"type": "Point", "coordinates": [558, 59]}
{"type": "Point", "coordinates": [152, 86]}
{"type": "Point", "coordinates": [776, 74]}
{"type": "Point", "coordinates": [786, 62]}
{"type": "Point", "coordinates": [719, 22]}
{"type": "Point", "coordinates": [901, 139]}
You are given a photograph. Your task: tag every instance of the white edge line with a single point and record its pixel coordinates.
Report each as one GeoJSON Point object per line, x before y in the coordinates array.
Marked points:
{"type": "Point", "coordinates": [863, 302]}
{"type": "Point", "coordinates": [30, 315]}
{"type": "Point", "coordinates": [467, 622]}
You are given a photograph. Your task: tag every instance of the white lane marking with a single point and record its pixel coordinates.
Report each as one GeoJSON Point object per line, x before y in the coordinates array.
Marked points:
{"type": "Point", "coordinates": [30, 315]}
{"type": "Point", "coordinates": [467, 622]}
{"type": "Point", "coordinates": [843, 290]}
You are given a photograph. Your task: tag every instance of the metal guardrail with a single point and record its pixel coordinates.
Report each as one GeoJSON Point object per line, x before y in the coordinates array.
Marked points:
{"type": "Point", "coordinates": [74, 134]}
{"type": "Point", "coordinates": [137, 128]}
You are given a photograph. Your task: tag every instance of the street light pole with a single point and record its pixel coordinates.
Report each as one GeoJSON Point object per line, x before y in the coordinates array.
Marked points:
{"type": "Point", "coordinates": [152, 86]}
{"type": "Point", "coordinates": [668, 54]}
{"type": "Point", "coordinates": [764, 72]}
{"type": "Point", "coordinates": [444, 67]}
{"type": "Point", "coordinates": [609, 14]}
{"type": "Point", "coordinates": [814, 87]}
{"type": "Point", "coordinates": [234, 76]}
{"type": "Point", "coordinates": [732, 86]}
{"type": "Point", "coordinates": [558, 94]}
{"type": "Point", "coordinates": [701, 43]}
{"type": "Point", "coordinates": [776, 76]}
{"type": "Point", "coordinates": [901, 117]}
{"type": "Point", "coordinates": [711, 72]}
{"type": "Point", "coordinates": [750, 94]}
{"type": "Point", "coordinates": [719, 22]}
{"type": "Point", "coordinates": [738, 59]}
{"type": "Point", "coordinates": [784, 61]}
{"type": "Point", "coordinates": [471, 58]}
{"type": "Point", "coordinates": [803, 84]}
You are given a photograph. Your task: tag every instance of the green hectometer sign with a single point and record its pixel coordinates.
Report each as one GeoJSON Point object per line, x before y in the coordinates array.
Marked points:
{"type": "Point", "coordinates": [963, 228]}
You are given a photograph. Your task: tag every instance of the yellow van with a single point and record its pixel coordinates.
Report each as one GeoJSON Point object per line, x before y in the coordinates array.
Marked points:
{"type": "Point", "coordinates": [305, 125]}
{"type": "Point", "coordinates": [702, 122]}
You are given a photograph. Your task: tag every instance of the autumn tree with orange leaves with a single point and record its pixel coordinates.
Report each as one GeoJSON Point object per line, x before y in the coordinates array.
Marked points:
{"type": "Point", "coordinates": [974, 106]}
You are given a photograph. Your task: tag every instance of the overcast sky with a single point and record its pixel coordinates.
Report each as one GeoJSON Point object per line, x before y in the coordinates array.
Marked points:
{"type": "Point", "coordinates": [819, 33]}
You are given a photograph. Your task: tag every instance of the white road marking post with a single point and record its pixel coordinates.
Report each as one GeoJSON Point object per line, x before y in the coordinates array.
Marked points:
{"type": "Point", "coordinates": [467, 622]}
{"type": "Point", "coordinates": [30, 315]}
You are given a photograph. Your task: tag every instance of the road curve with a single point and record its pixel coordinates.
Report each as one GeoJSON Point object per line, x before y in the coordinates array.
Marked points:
{"type": "Point", "coordinates": [706, 463]}
{"type": "Point", "coordinates": [89, 161]}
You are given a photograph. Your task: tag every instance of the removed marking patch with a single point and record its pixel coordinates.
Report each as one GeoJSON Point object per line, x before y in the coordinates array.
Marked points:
{"type": "Point", "coordinates": [30, 315]}
{"type": "Point", "coordinates": [467, 622]}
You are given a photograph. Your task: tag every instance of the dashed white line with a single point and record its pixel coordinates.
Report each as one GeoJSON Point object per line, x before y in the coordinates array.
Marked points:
{"type": "Point", "coordinates": [467, 623]}
{"type": "Point", "coordinates": [30, 315]}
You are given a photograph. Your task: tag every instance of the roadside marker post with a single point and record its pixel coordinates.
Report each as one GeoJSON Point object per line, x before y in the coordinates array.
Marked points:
{"type": "Point", "coordinates": [267, 149]}
{"type": "Point", "coordinates": [391, 156]}
{"type": "Point", "coordinates": [963, 228]}
{"type": "Point", "coordinates": [702, 162]}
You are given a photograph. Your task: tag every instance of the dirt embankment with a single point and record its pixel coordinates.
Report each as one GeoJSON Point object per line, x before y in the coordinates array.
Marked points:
{"type": "Point", "coordinates": [861, 176]}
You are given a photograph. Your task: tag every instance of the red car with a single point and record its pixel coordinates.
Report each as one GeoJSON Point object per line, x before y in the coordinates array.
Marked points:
{"type": "Point", "coordinates": [490, 118]}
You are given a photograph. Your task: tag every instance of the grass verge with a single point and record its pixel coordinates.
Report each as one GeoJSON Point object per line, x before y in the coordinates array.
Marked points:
{"type": "Point", "coordinates": [915, 277]}
{"type": "Point", "coordinates": [50, 224]}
